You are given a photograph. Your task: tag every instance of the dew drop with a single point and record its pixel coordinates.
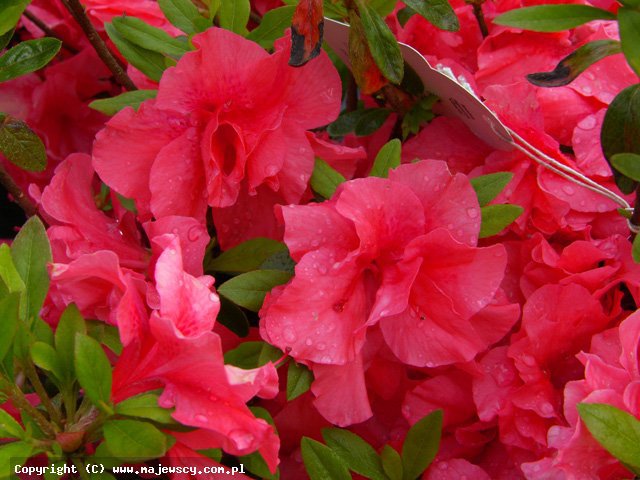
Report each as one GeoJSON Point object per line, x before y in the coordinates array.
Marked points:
{"type": "Point", "coordinates": [321, 346]}
{"type": "Point", "coordinates": [289, 335]}
{"type": "Point", "coordinates": [568, 189]}
{"type": "Point", "coordinates": [472, 212]}
{"type": "Point", "coordinates": [201, 418]}
{"type": "Point", "coordinates": [588, 123]}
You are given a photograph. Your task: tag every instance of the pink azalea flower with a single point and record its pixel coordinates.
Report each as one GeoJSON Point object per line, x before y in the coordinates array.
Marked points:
{"type": "Point", "coordinates": [226, 130]}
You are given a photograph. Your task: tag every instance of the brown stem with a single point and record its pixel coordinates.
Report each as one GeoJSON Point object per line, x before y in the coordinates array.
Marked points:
{"type": "Point", "coordinates": [50, 33]}
{"type": "Point", "coordinates": [477, 11]}
{"type": "Point", "coordinates": [18, 195]}
{"type": "Point", "coordinates": [77, 10]}
{"type": "Point", "coordinates": [32, 375]}
{"type": "Point", "coordinates": [21, 403]}
{"type": "Point", "coordinates": [352, 94]}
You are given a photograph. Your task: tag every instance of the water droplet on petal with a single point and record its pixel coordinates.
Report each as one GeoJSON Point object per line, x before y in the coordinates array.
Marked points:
{"type": "Point", "coordinates": [201, 418]}
{"type": "Point", "coordinates": [568, 189]}
{"type": "Point", "coordinates": [472, 212]}
{"type": "Point", "coordinates": [289, 335]}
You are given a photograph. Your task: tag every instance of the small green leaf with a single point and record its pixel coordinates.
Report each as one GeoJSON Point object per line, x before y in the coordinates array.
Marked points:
{"type": "Point", "coordinates": [246, 257]}
{"type": "Point", "coordinates": [9, 320]}
{"type": "Point", "coordinates": [628, 164]}
{"type": "Point", "coordinates": [150, 63]}
{"type": "Point", "coordinates": [325, 179]}
{"type": "Point", "coordinates": [254, 463]}
{"type": "Point", "coordinates": [21, 145]}
{"type": "Point", "coordinates": [5, 38]}
{"type": "Point", "coordinates": [272, 26]}
{"type": "Point", "coordinates": [234, 15]}
{"type": "Point", "coordinates": [356, 453]}
{"type": "Point", "coordinates": [391, 462]}
{"type": "Point", "coordinates": [552, 18]}
{"type": "Point", "coordinates": [279, 261]}
{"type": "Point", "coordinates": [249, 289]}
{"type": "Point", "coordinates": [635, 249]}
{"type": "Point", "coordinates": [388, 157]}
{"type": "Point", "coordinates": [251, 355]}
{"type": "Point", "coordinates": [184, 15]}
{"type": "Point", "coordinates": [421, 445]}
{"type": "Point", "coordinates": [371, 120]}
{"type": "Point", "coordinates": [404, 15]}
{"type": "Point", "coordinates": [8, 273]}
{"type": "Point", "coordinates": [145, 406]}
{"type": "Point", "coordinates": [45, 357]}
{"type": "Point", "coordinates": [31, 253]}
{"type": "Point", "coordinates": [151, 38]}
{"type": "Point", "coordinates": [94, 371]}
{"type": "Point", "coordinates": [27, 57]}
{"type": "Point", "coordinates": [382, 43]}
{"type": "Point", "coordinates": [233, 317]}
{"type": "Point", "coordinates": [10, 13]}
{"type": "Point", "coordinates": [71, 323]}
{"type": "Point", "coordinates": [133, 440]}
{"type": "Point", "coordinates": [617, 431]}
{"type": "Point", "coordinates": [629, 24]}
{"type": "Point", "coordinates": [299, 380]}
{"type": "Point", "coordinates": [437, 12]}
{"type": "Point", "coordinates": [488, 187]}
{"type": "Point", "coordinates": [111, 106]}
{"type": "Point", "coordinates": [11, 454]}
{"type": "Point", "coordinates": [496, 218]}
{"type": "Point", "coordinates": [575, 63]}
{"type": "Point", "coordinates": [321, 462]}
{"type": "Point", "coordinates": [107, 335]}
{"type": "Point", "coordinates": [345, 123]}
{"type": "Point", "coordinates": [9, 428]}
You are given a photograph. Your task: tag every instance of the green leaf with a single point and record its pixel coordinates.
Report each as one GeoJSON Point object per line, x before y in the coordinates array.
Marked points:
{"type": "Point", "coordinates": [404, 15]}
{"type": "Point", "coordinates": [133, 440]}
{"type": "Point", "coordinates": [45, 357]}
{"type": "Point", "coordinates": [21, 145]}
{"type": "Point", "coordinates": [371, 120]}
{"type": "Point", "coordinates": [617, 431]}
{"type": "Point", "coordinates": [111, 106]}
{"type": "Point", "coordinates": [575, 63]}
{"type": "Point", "coordinates": [279, 261]}
{"type": "Point", "coordinates": [249, 289]}
{"type": "Point", "coordinates": [5, 38]}
{"type": "Point", "coordinates": [184, 15]}
{"type": "Point", "coordinates": [388, 157]}
{"type": "Point", "coordinates": [11, 454]}
{"type": "Point", "coordinates": [421, 445]}
{"type": "Point", "coordinates": [272, 26]}
{"type": "Point", "coordinates": [628, 164]}
{"type": "Point", "coordinates": [31, 253]}
{"type": "Point", "coordinates": [234, 15]}
{"type": "Point", "coordinates": [144, 35]}
{"type": "Point", "coordinates": [356, 453]}
{"type": "Point", "coordinates": [27, 57]}
{"type": "Point", "coordinates": [246, 257]}
{"type": "Point", "coordinates": [437, 12]}
{"type": "Point", "coordinates": [383, 7]}
{"type": "Point", "coordinates": [299, 380]}
{"type": "Point", "coordinates": [145, 406]}
{"type": "Point", "coordinates": [382, 43]}
{"type": "Point", "coordinates": [419, 114]}
{"type": "Point", "coordinates": [391, 462]}
{"type": "Point", "coordinates": [9, 320]}
{"type": "Point", "coordinates": [150, 63]}
{"type": "Point", "coordinates": [496, 218]}
{"type": "Point", "coordinates": [321, 462]}
{"type": "Point", "coordinates": [254, 463]}
{"type": "Point", "coordinates": [621, 130]}
{"type": "Point", "coordinates": [71, 323]}
{"type": "Point", "coordinates": [9, 428]}
{"type": "Point", "coordinates": [252, 355]}
{"type": "Point", "coordinates": [10, 13]}
{"type": "Point", "coordinates": [629, 24]}
{"type": "Point", "coordinates": [107, 335]}
{"type": "Point", "coordinates": [233, 317]}
{"type": "Point", "coordinates": [8, 273]}
{"type": "Point", "coordinates": [345, 123]}
{"type": "Point", "coordinates": [635, 249]}
{"type": "Point", "coordinates": [94, 371]}
{"type": "Point", "coordinates": [325, 179]}
{"type": "Point", "coordinates": [488, 187]}
{"type": "Point", "coordinates": [552, 18]}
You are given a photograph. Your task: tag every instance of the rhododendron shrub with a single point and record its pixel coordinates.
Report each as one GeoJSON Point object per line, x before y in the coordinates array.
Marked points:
{"type": "Point", "coordinates": [241, 256]}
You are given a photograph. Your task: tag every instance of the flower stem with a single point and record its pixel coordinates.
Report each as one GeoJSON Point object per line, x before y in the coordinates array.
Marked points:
{"type": "Point", "coordinates": [16, 193]}
{"type": "Point", "coordinates": [35, 382]}
{"type": "Point", "coordinates": [21, 403]}
{"type": "Point", "coordinates": [50, 33]}
{"type": "Point", "coordinates": [77, 10]}
{"type": "Point", "coordinates": [479, 14]}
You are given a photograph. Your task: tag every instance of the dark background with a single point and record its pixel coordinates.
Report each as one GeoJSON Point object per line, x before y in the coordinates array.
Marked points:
{"type": "Point", "coordinates": [11, 216]}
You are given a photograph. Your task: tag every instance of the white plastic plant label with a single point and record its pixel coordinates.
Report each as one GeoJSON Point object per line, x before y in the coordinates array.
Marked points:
{"type": "Point", "coordinates": [457, 100]}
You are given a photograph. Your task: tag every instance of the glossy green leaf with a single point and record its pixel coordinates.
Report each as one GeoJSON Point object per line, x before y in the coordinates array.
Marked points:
{"type": "Point", "coordinates": [21, 145]}
{"type": "Point", "coordinates": [10, 13]}
{"type": "Point", "coordinates": [151, 63]}
{"type": "Point", "coordinates": [299, 379]}
{"type": "Point", "coordinates": [70, 324]}
{"type": "Point", "coordinates": [11, 454]}
{"type": "Point", "coordinates": [184, 15]}
{"type": "Point", "coordinates": [388, 158]}
{"type": "Point", "coordinates": [629, 24]}
{"type": "Point", "coordinates": [9, 320]}
{"type": "Point", "coordinates": [628, 164]}
{"type": "Point", "coordinates": [233, 317]}
{"type": "Point", "coordinates": [437, 12]}
{"type": "Point", "coordinates": [46, 357]}
{"type": "Point", "coordinates": [617, 431]}
{"type": "Point", "coordinates": [371, 120]}
{"type": "Point", "coordinates": [255, 463]}
{"type": "Point", "coordinates": [391, 462]}
{"type": "Point", "coordinates": [8, 273]}
{"type": "Point", "coordinates": [273, 25]}
{"type": "Point", "coordinates": [496, 218]}
{"type": "Point", "coordinates": [421, 445]}
{"type": "Point", "coordinates": [5, 38]}
{"type": "Point", "coordinates": [151, 38]}
{"type": "Point", "coordinates": [489, 186]}
{"type": "Point", "coordinates": [635, 249]}
{"type": "Point", "coordinates": [249, 289]}
{"type": "Point", "coordinates": [574, 64]}
{"type": "Point", "coordinates": [279, 261]}
{"type": "Point", "coordinates": [9, 428]}
{"type": "Point", "coordinates": [134, 440]}
{"type": "Point", "coordinates": [325, 179]}
{"type": "Point", "coordinates": [321, 462]}
{"type": "Point", "coordinates": [27, 57]}
{"type": "Point", "coordinates": [31, 253]}
{"type": "Point", "coordinates": [345, 123]}
{"type": "Point", "coordinates": [356, 453]}
{"type": "Point", "coordinates": [234, 15]}
{"type": "Point", "coordinates": [250, 355]}
{"type": "Point", "coordinates": [552, 18]}
{"type": "Point", "coordinates": [382, 43]}
{"type": "Point", "coordinates": [247, 256]}
{"type": "Point", "coordinates": [145, 406]}
{"type": "Point", "coordinates": [621, 130]}
{"type": "Point", "coordinates": [93, 371]}
{"type": "Point", "coordinates": [404, 15]}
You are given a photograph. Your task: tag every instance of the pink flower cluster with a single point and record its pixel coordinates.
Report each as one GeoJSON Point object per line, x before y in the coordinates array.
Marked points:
{"type": "Point", "coordinates": [396, 305]}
